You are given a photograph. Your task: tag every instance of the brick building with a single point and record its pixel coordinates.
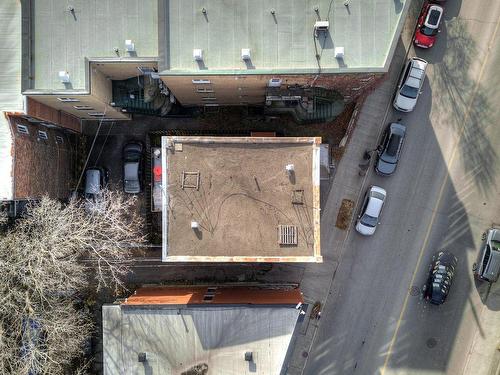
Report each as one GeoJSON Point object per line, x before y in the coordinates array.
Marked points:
{"type": "Point", "coordinates": [42, 161]}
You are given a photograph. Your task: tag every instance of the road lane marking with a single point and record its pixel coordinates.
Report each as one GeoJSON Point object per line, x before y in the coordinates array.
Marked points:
{"type": "Point", "coordinates": [440, 196]}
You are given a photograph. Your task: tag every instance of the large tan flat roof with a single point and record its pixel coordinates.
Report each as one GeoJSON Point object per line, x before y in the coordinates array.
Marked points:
{"type": "Point", "coordinates": [238, 191]}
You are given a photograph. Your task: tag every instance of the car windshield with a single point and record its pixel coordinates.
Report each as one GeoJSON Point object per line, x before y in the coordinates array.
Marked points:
{"type": "Point", "coordinates": [368, 220]}
{"type": "Point", "coordinates": [132, 156]}
{"type": "Point", "coordinates": [390, 153]}
{"type": "Point", "coordinates": [409, 92]}
{"type": "Point", "coordinates": [495, 244]}
{"type": "Point", "coordinates": [427, 31]}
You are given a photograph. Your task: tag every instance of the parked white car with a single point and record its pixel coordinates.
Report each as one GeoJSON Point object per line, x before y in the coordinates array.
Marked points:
{"type": "Point", "coordinates": [370, 211]}
{"type": "Point", "coordinates": [410, 84]}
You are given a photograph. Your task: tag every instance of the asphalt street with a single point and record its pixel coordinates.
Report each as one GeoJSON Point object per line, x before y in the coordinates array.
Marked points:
{"type": "Point", "coordinates": [444, 195]}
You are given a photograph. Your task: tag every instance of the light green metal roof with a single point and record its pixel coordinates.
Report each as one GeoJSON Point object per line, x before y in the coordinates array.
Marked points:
{"type": "Point", "coordinates": [283, 42]}
{"type": "Point", "coordinates": [61, 39]}
{"type": "Point", "coordinates": [10, 86]}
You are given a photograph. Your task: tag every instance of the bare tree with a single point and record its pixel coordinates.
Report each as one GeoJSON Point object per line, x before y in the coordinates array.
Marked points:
{"type": "Point", "coordinates": [49, 260]}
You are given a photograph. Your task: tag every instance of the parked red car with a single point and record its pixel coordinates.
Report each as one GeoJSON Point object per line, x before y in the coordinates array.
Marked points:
{"type": "Point", "coordinates": [428, 25]}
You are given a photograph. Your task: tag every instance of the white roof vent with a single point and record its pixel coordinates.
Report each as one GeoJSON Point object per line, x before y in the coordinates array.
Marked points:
{"type": "Point", "coordinates": [245, 54]}
{"type": "Point", "coordinates": [64, 76]}
{"type": "Point", "coordinates": [195, 225]}
{"type": "Point", "coordinates": [274, 82]}
{"type": "Point", "coordinates": [339, 52]}
{"type": "Point", "coordinates": [198, 54]}
{"type": "Point", "coordinates": [290, 168]}
{"type": "Point", "coordinates": [321, 26]}
{"type": "Point", "coordinates": [129, 46]}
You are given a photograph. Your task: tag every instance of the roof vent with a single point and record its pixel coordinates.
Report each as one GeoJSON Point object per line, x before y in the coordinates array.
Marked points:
{"type": "Point", "coordinates": [198, 54]}
{"type": "Point", "coordinates": [287, 235]}
{"type": "Point", "coordinates": [289, 168]}
{"type": "Point", "coordinates": [248, 356]}
{"type": "Point", "coordinates": [64, 76]}
{"type": "Point", "coordinates": [339, 52]}
{"type": "Point", "coordinates": [129, 46]}
{"type": "Point", "coordinates": [274, 82]}
{"type": "Point", "coordinates": [142, 357]}
{"type": "Point", "coordinates": [245, 54]}
{"type": "Point", "coordinates": [195, 225]}
{"type": "Point", "coordinates": [321, 27]}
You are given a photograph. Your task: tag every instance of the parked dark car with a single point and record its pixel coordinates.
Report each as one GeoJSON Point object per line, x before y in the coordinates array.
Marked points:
{"type": "Point", "coordinates": [132, 167]}
{"type": "Point", "coordinates": [390, 149]}
{"type": "Point", "coordinates": [441, 273]}
{"type": "Point", "coordinates": [487, 267]}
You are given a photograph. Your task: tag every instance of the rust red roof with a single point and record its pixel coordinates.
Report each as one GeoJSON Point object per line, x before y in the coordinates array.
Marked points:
{"type": "Point", "coordinates": [214, 295]}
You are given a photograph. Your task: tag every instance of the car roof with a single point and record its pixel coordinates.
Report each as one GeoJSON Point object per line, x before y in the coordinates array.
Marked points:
{"type": "Point", "coordinates": [374, 207]}
{"type": "Point", "coordinates": [131, 170]}
{"type": "Point", "coordinates": [433, 18]}
{"type": "Point", "coordinates": [493, 268]}
{"type": "Point", "coordinates": [415, 77]}
{"type": "Point", "coordinates": [92, 181]}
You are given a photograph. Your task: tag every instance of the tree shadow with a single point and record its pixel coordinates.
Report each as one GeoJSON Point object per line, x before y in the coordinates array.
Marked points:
{"type": "Point", "coordinates": [471, 108]}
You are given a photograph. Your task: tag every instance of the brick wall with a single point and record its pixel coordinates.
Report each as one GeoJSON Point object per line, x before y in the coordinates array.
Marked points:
{"type": "Point", "coordinates": [42, 166]}
{"type": "Point", "coordinates": [44, 112]}
{"type": "Point", "coordinates": [351, 86]}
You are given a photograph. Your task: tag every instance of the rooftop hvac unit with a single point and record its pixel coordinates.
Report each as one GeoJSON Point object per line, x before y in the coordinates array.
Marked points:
{"type": "Point", "coordinates": [129, 46]}
{"type": "Point", "coordinates": [339, 52]}
{"type": "Point", "coordinates": [64, 76]}
{"type": "Point", "coordinates": [321, 26]}
{"type": "Point", "coordinates": [198, 54]}
{"type": "Point", "coordinates": [245, 54]}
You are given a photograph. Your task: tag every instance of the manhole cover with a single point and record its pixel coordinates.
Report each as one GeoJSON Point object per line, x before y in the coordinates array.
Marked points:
{"type": "Point", "coordinates": [431, 343]}
{"type": "Point", "coordinates": [305, 354]}
{"type": "Point", "coordinates": [414, 291]}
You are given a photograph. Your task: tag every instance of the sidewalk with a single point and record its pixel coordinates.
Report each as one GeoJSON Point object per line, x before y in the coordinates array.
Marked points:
{"type": "Point", "coordinates": [318, 279]}
{"type": "Point", "coordinates": [484, 355]}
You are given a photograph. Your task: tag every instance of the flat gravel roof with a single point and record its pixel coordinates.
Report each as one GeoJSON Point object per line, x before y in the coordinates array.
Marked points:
{"type": "Point", "coordinates": [238, 191]}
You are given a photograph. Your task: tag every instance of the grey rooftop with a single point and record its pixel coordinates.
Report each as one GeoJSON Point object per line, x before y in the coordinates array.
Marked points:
{"type": "Point", "coordinates": [279, 35]}
{"type": "Point", "coordinates": [64, 34]}
{"type": "Point", "coordinates": [178, 338]}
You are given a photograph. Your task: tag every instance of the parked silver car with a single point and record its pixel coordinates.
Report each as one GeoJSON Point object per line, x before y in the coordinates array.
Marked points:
{"type": "Point", "coordinates": [96, 180]}
{"type": "Point", "coordinates": [487, 267]}
{"type": "Point", "coordinates": [370, 211]}
{"type": "Point", "coordinates": [410, 84]}
{"type": "Point", "coordinates": [132, 167]}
